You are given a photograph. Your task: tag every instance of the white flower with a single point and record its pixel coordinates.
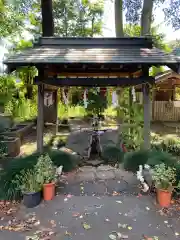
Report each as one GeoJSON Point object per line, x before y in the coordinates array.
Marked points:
{"type": "Point", "coordinates": [140, 168]}
{"type": "Point", "coordinates": [141, 179]}
{"type": "Point", "coordinates": [146, 166]}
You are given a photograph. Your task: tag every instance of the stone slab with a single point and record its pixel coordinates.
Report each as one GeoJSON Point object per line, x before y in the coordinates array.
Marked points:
{"type": "Point", "coordinates": [87, 169]}
{"type": "Point", "coordinates": [85, 176]}
{"type": "Point", "coordinates": [105, 174]}
{"type": "Point", "coordinates": [94, 163]}
{"type": "Point", "coordinates": [119, 173]}
{"type": "Point", "coordinates": [105, 168]}
{"type": "Point", "coordinates": [114, 185]}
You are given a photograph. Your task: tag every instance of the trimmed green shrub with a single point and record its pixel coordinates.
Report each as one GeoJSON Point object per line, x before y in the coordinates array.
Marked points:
{"type": "Point", "coordinates": [15, 166]}
{"type": "Point", "coordinates": [132, 160]}
{"type": "Point", "coordinates": [157, 157]}
{"type": "Point", "coordinates": [112, 154]}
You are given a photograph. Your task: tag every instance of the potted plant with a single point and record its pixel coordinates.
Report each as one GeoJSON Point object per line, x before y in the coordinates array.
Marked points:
{"type": "Point", "coordinates": [46, 172]}
{"type": "Point", "coordinates": [30, 187]}
{"type": "Point", "coordinates": [164, 178]}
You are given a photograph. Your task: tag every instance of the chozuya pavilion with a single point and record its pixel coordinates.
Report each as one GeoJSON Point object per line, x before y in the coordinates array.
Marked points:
{"type": "Point", "coordinates": [92, 62]}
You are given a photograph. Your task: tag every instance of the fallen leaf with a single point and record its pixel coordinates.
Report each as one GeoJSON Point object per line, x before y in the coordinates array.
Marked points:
{"type": "Point", "coordinates": [112, 237]}
{"type": "Point", "coordinates": [69, 196]}
{"type": "Point", "coordinates": [86, 226]}
{"type": "Point", "coordinates": [147, 238]}
{"type": "Point", "coordinates": [53, 223]}
{"type": "Point", "coordinates": [36, 223]}
{"type": "Point", "coordinates": [117, 235]}
{"type": "Point", "coordinates": [115, 193]}
{"type": "Point", "coordinates": [67, 233]}
{"type": "Point", "coordinates": [129, 228]}
{"type": "Point", "coordinates": [107, 220]}
{"type": "Point", "coordinates": [76, 214]}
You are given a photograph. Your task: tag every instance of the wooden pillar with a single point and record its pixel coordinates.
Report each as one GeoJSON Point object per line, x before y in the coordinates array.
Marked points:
{"type": "Point", "coordinates": [56, 110]}
{"type": "Point", "coordinates": [40, 118]}
{"type": "Point", "coordinates": [153, 104]}
{"type": "Point", "coordinates": [147, 116]}
{"type": "Point", "coordinates": [130, 109]}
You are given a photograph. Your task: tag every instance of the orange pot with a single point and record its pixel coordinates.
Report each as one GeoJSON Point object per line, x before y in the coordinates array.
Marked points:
{"type": "Point", "coordinates": [48, 191]}
{"type": "Point", "coordinates": [164, 197]}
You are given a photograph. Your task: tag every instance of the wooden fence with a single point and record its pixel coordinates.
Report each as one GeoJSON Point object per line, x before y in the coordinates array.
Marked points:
{"type": "Point", "coordinates": [166, 111]}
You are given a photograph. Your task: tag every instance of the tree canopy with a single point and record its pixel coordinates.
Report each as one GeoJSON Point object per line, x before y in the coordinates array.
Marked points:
{"type": "Point", "coordinates": [142, 12]}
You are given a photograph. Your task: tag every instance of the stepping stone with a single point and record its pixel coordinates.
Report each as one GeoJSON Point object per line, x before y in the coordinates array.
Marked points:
{"type": "Point", "coordinates": [104, 175]}
{"type": "Point", "coordinates": [119, 173]}
{"type": "Point", "coordinates": [85, 176]}
{"type": "Point", "coordinates": [97, 188]}
{"type": "Point", "coordinates": [130, 178]}
{"type": "Point", "coordinates": [116, 186]}
{"type": "Point", "coordinates": [105, 168]}
{"type": "Point", "coordinates": [87, 169]}
{"type": "Point", "coordinates": [94, 163]}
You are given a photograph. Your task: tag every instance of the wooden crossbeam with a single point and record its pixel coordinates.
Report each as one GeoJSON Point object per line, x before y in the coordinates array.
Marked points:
{"type": "Point", "coordinates": [93, 74]}
{"type": "Point", "coordinates": [90, 82]}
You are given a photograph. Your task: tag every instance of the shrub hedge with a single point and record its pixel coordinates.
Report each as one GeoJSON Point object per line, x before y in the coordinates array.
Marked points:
{"type": "Point", "coordinates": [15, 166]}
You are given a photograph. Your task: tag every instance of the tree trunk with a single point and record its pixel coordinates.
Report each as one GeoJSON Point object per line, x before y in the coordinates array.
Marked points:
{"type": "Point", "coordinates": [47, 18]}
{"type": "Point", "coordinates": [146, 17]}
{"type": "Point", "coordinates": [118, 5]}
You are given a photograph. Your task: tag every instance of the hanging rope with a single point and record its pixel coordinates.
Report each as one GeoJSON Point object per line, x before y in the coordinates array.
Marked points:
{"type": "Point", "coordinates": [114, 99]}
{"type": "Point", "coordinates": [134, 94]}
{"type": "Point", "coordinates": [65, 96]}
{"type": "Point", "coordinates": [85, 99]}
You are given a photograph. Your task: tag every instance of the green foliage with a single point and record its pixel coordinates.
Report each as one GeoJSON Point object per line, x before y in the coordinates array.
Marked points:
{"type": "Point", "coordinates": [22, 109]}
{"type": "Point", "coordinates": [112, 154]}
{"type": "Point", "coordinates": [27, 182]}
{"type": "Point", "coordinates": [132, 160]}
{"type": "Point", "coordinates": [158, 157]}
{"type": "Point", "coordinates": [3, 150]}
{"type": "Point", "coordinates": [7, 88]}
{"type": "Point", "coordinates": [171, 145]}
{"type": "Point", "coordinates": [132, 136]}
{"type": "Point", "coordinates": [96, 102]}
{"type": "Point", "coordinates": [159, 38]}
{"type": "Point", "coordinates": [45, 169]}
{"type": "Point", "coordinates": [70, 111]}
{"type": "Point", "coordinates": [155, 70]}
{"type": "Point", "coordinates": [164, 176]}
{"type": "Point", "coordinates": [15, 166]}
{"type": "Point", "coordinates": [71, 18]}
{"type": "Point", "coordinates": [11, 22]}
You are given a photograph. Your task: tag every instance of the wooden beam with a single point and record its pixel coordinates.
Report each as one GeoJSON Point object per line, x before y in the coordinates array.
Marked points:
{"type": "Point", "coordinates": [94, 74]}
{"type": "Point", "coordinates": [90, 82]}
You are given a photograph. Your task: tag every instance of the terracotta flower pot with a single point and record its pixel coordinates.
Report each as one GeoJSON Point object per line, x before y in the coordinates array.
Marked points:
{"type": "Point", "coordinates": [48, 191]}
{"type": "Point", "coordinates": [164, 197]}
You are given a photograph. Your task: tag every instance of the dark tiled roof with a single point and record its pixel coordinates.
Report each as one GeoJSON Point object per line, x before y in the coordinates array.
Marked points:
{"type": "Point", "coordinates": [50, 50]}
